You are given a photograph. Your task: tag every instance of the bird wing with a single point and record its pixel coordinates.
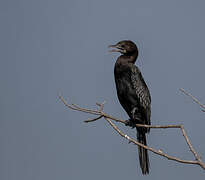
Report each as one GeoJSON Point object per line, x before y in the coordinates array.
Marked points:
{"type": "Point", "coordinates": [142, 91]}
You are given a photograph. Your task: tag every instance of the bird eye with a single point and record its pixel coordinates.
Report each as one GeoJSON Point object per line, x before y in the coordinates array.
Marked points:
{"type": "Point", "coordinates": [122, 45]}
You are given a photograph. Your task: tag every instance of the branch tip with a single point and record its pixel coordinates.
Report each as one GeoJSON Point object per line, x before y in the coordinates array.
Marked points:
{"type": "Point", "coordinates": [193, 98]}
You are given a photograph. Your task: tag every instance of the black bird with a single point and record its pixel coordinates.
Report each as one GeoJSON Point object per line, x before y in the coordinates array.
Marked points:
{"type": "Point", "coordinates": [133, 94]}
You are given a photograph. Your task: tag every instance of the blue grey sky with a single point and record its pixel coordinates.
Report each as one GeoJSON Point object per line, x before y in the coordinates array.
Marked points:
{"type": "Point", "coordinates": [50, 46]}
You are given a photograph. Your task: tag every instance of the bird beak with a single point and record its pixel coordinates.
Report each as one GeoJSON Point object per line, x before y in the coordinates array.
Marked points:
{"type": "Point", "coordinates": [116, 48]}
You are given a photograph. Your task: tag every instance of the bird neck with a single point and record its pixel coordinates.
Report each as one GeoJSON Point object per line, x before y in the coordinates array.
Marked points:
{"type": "Point", "coordinates": [133, 57]}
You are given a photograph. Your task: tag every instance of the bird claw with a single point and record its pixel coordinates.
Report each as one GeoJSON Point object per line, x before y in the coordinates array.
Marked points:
{"type": "Point", "coordinates": [130, 123]}
{"type": "Point", "coordinates": [127, 122]}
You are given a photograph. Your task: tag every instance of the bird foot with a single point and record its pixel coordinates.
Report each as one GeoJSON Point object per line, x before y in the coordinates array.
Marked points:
{"type": "Point", "coordinates": [130, 123]}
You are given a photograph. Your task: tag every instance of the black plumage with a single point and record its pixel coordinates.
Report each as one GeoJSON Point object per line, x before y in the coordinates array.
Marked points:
{"type": "Point", "coordinates": [133, 94]}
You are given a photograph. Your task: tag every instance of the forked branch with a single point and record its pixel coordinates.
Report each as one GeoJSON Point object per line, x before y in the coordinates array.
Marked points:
{"type": "Point", "coordinates": [100, 114]}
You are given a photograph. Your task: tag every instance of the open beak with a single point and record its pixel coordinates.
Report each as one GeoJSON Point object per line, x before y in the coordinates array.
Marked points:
{"type": "Point", "coordinates": [116, 48]}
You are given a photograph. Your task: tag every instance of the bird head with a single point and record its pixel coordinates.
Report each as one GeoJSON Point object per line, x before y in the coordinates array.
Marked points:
{"type": "Point", "coordinates": [125, 47]}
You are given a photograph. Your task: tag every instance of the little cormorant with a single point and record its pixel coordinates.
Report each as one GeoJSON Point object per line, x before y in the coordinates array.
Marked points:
{"type": "Point", "coordinates": [133, 94]}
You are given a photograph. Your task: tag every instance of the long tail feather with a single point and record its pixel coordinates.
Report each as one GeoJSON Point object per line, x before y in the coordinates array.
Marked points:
{"type": "Point", "coordinates": [143, 154]}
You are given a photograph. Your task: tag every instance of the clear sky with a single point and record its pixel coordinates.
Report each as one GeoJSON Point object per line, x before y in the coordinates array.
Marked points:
{"type": "Point", "coordinates": [50, 46]}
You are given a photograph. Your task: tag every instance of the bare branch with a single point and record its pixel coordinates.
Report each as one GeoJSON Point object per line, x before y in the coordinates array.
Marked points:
{"type": "Point", "coordinates": [189, 143]}
{"type": "Point", "coordinates": [159, 152]}
{"type": "Point", "coordinates": [100, 114]}
{"type": "Point", "coordinates": [194, 99]}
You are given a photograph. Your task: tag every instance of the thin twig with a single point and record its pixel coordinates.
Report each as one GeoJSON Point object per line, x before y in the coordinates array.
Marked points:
{"type": "Point", "coordinates": [94, 119]}
{"type": "Point", "coordinates": [194, 99]}
{"type": "Point", "coordinates": [77, 108]}
{"type": "Point", "coordinates": [108, 118]}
